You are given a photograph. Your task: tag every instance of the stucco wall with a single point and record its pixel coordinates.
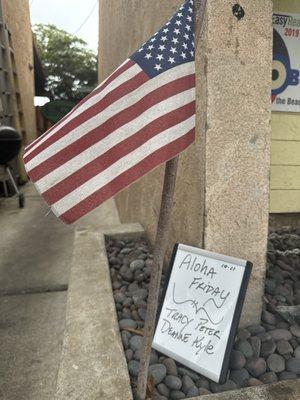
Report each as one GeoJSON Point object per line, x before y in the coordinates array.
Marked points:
{"type": "Point", "coordinates": [17, 17]}
{"type": "Point", "coordinates": [285, 169]}
{"type": "Point", "coordinates": [222, 192]}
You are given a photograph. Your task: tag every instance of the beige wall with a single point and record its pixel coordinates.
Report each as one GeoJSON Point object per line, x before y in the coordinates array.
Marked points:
{"type": "Point", "coordinates": [222, 192]}
{"type": "Point", "coordinates": [17, 17]}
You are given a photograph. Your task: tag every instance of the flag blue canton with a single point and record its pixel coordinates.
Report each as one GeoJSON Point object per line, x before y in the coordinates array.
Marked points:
{"type": "Point", "coordinates": [171, 46]}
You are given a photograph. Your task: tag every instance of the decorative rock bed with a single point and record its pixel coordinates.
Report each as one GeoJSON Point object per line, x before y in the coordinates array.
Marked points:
{"type": "Point", "coordinates": [262, 354]}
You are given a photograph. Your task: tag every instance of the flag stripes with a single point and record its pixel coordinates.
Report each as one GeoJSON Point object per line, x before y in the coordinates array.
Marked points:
{"type": "Point", "coordinates": [129, 176]}
{"type": "Point", "coordinates": [87, 102]}
{"type": "Point", "coordinates": [113, 154]}
{"type": "Point", "coordinates": [123, 180]}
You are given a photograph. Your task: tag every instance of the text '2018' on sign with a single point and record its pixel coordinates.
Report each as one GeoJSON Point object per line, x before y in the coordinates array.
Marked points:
{"type": "Point", "coordinates": [201, 309]}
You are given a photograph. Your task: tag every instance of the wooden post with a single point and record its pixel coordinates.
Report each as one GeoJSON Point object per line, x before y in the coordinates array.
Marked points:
{"type": "Point", "coordinates": [161, 239]}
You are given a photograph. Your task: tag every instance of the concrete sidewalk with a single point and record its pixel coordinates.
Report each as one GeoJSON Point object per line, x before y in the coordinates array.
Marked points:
{"type": "Point", "coordinates": [35, 255]}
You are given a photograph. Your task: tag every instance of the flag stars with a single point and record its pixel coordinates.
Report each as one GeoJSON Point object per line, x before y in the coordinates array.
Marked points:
{"type": "Point", "coordinates": [171, 45]}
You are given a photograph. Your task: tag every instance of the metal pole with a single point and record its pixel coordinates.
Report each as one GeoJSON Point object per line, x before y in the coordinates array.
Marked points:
{"type": "Point", "coordinates": [161, 240]}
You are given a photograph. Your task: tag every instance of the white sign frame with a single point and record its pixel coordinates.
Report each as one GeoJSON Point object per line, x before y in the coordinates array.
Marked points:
{"type": "Point", "coordinates": [187, 329]}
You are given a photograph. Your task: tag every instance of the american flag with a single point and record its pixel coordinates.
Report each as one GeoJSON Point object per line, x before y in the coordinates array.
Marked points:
{"type": "Point", "coordinates": [142, 115]}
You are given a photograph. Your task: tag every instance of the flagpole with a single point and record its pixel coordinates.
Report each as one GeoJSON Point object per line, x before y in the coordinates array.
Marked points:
{"type": "Point", "coordinates": [161, 239]}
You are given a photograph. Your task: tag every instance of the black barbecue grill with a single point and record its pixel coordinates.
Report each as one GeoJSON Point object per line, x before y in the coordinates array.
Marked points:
{"type": "Point", "coordinates": [10, 146]}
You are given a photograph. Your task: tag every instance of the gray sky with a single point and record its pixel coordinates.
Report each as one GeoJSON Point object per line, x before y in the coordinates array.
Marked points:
{"type": "Point", "coordinates": [68, 15]}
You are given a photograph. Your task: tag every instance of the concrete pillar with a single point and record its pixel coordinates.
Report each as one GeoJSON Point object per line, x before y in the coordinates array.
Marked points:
{"type": "Point", "coordinates": [222, 194]}
{"type": "Point", "coordinates": [237, 150]}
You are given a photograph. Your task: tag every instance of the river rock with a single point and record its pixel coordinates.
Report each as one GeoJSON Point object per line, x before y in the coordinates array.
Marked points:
{"type": "Point", "coordinates": [171, 366]}
{"type": "Point", "coordinates": [243, 334]}
{"type": "Point", "coordinates": [132, 287]}
{"type": "Point", "coordinates": [177, 395]}
{"type": "Point", "coordinates": [256, 345]}
{"type": "Point", "coordinates": [287, 375]}
{"type": "Point", "coordinates": [276, 363]}
{"type": "Point", "coordinates": [127, 302]}
{"type": "Point", "coordinates": [256, 329]}
{"type": "Point", "coordinates": [297, 352]}
{"type": "Point", "coordinates": [127, 323]}
{"type": "Point", "coordinates": [136, 264]}
{"type": "Point", "coordinates": [203, 391]}
{"type": "Point", "coordinates": [293, 365]}
{"type": "Point", "coordinates": [136, 342]}
{"type": "Point", "coordinates": [133, 368]}
{"type": "Point", "coordinates": [119, 297]}
{"type": "Point", "coordinates": [284, 347]}
{"type": "Point", "coordinates": [128, 354]}
{"type": "Point", "coordinates": [126, 313]}
{"type": "Point", "coordinates": [187, 383]}
{"type": "Point", "coordinates": [173, 382]}
{"type": "Point", "coordinates": [244, 347]}
{"type": "Point", "coordinates": [256, 366]}
{"type": "Point", "coordinates": [280, 334]}
{"type": "Point", "coordinates": [267, 348]}
{"type": "Point", "coordinates": [268, 317]}
{"type": "Point", "coordinates": [163, 389]}
{"type": "Point", "coordinates": [153, 356]}
{"type": "Point", "coordinates": [237, 360]}
{"type": "Point", "coordinates": [202, 383]}
{"type": "Point", "coordinates": [142, 313]}
{"type": "Point", "coordinates": [191, 374]}
{"type": "Point", "coordinates": [218, 388]}
{"type": "Point", "coordinates": [295, 330]}
{"type": "Point", "coordinates": [125, 339]}
{"type": "Point", "coordinates": [157, 372]}
{"type": "Point", "coordinates": [140, 294]}
{"type": "Point", "coordinates": [192, 392]}
{"type": "Point", "coordinates": [268, 378]}
{"type": "Point", "coordinates": [240, 377]}
{"type": "Point", "coordinates": [254, 382]}
{"type": "Point", "coordinates": [156, 395]}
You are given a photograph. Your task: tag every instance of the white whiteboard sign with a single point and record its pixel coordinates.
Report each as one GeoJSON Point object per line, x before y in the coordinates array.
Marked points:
{"type": "Point", "coordinates": [201, 310]}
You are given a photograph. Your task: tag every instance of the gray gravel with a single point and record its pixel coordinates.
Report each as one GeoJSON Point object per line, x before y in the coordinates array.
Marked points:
{"type": "Point", "coordinates": [262, 354]}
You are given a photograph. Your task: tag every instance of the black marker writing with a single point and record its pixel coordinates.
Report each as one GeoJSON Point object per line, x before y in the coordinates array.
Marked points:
{"type": "Point", "coordinates": [192, 265]}
{"type": "Point", "coordinates": [195, 304]}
